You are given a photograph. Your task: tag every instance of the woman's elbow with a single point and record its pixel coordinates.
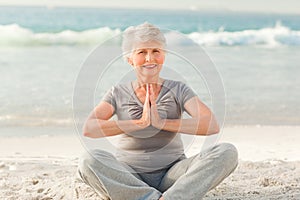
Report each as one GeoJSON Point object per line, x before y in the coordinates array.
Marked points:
{"type": "Point", "coordinates": [92, 129]}
{"type": "Point", "coordinates": [208, 130]}
{"type": "Point", "coordinates": [213, 128]}
{"type": "Point", "coordinates": [87, 134]}
{"type": "Point", "coordinates": [86, 130]}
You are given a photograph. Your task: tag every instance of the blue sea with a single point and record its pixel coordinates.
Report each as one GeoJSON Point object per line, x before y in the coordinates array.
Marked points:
{"type": "Point", "coordinates": [42, 51]}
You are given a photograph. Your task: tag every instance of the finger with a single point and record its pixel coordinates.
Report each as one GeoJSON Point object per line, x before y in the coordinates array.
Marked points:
{"type": "Point", "coordinates": [147, 94]}
{"type": "Point", "coordinates": [151, 91]}
{"type": "Point", "coordinates": [147, 89]}
{"type": "Point", "coordinates": [152, 94]}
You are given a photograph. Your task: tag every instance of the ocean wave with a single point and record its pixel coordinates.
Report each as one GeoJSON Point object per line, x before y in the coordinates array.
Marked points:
{"type": "Point", "coordinates": [15, 35]}
{"type": "Point", "coordinates": [270, 36]}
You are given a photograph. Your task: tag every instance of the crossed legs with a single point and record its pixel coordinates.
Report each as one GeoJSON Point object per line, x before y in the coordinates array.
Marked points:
{"type": "Point", "coordinates": [188, 179]}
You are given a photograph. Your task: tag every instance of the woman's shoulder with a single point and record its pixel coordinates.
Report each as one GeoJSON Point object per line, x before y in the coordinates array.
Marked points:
{"type": "Point", "coordinates": [121, 89]}
{"type": "Point", "coordinates": [179, 88]}
{"type": "Point", "coordinates": [121, 86]}
{"type": "Point", "coordinates": [174, 83]}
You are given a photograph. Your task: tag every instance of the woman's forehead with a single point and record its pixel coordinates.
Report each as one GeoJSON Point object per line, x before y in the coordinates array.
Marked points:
{"type": "Point", "coordinates": [148, 45]}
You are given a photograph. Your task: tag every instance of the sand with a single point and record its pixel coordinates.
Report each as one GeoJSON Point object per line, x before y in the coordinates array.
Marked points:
{"type": "Point", "coordinates": [45, 167]}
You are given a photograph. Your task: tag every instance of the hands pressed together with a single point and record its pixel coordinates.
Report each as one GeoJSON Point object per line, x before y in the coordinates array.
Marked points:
{"type": "Point", "coordinates": [150, 114]}
{"type": "Point", "coordinates": [100, 126]}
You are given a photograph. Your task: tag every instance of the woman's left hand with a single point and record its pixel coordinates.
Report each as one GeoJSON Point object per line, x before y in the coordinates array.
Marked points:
{"type": "Point", "coordinates": [156, 121]}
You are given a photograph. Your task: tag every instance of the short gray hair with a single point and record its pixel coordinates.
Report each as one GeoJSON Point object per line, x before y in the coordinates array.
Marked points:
{"type": "Point", "coordinates": [145, 32]}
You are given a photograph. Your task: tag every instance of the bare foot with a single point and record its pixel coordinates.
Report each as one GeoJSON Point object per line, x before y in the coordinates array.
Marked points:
{"type": "Point", "coordinates": [161, 198]}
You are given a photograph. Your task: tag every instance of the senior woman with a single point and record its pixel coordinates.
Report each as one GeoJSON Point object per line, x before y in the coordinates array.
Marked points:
{"type": "Point", "coordinates": [150, 163]}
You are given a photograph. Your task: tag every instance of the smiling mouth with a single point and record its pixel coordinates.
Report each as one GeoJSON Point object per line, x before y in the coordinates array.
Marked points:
{"type": "Point", "coordinates": [149, 66]}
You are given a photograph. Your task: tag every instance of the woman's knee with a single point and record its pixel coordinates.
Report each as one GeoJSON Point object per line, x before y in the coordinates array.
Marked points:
{"type": "Point", "coordinates": [227, 147]}
{"type": "Point", "coordinates": [92, 158]}
{"type": "Point", "coordinates": [223, 153]}
{"type": "Point", "coordinates": [228, 153]}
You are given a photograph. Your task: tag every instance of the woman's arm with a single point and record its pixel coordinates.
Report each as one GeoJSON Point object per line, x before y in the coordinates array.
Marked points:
{"type": "Point", "coordinates": [98, 124]}
{"type": "Point", "coordinates": [202, 122]}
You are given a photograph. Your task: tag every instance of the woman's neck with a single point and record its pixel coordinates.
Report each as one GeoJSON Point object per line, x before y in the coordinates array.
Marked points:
{"type": "Point", "coordinates": [142, 83]}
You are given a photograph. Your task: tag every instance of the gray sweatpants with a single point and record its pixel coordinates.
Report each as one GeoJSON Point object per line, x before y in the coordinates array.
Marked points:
{"type": "Point", "coordinates": [188, 179]}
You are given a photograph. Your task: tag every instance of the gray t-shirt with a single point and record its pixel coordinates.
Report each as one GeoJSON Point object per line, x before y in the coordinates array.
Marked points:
{"type": "Point", "coordinates": [149, 149]}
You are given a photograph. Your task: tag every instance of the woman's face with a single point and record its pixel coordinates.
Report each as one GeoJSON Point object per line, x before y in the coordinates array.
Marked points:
{"type": "Point", "coordinates": [147, 58]}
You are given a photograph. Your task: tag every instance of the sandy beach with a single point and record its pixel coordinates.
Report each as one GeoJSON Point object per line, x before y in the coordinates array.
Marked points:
{"type": "Point", "coordinates": [44, 167]}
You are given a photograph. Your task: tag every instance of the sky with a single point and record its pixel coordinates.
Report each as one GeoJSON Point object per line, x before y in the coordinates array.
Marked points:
{"type": "Point", "coordinates": [265, 6]}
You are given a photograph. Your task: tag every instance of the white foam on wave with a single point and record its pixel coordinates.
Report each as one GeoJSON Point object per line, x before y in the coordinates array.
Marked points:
{"type": "Point", "coordinates": [15, 35]}
{"type": "Point", "coordinates": [271, 36]}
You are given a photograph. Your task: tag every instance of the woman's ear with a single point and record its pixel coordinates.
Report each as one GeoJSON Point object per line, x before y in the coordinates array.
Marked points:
{"type": "Point", "coordinates": [129, 60]}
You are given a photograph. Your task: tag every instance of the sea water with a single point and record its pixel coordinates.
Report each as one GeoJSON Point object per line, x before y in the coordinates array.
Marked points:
{"type": "Point", "coordinates": [43, 49]}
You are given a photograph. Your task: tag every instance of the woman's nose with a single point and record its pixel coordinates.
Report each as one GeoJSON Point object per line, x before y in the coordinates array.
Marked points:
{"type": "Point", "coordinates": [148, 57]}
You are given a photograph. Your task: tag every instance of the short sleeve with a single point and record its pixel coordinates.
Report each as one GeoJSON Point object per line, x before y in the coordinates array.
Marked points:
{"type": "Point", "coordinates": [185, 93]}
{"type": "Point", "coordinates": [110, 98]}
